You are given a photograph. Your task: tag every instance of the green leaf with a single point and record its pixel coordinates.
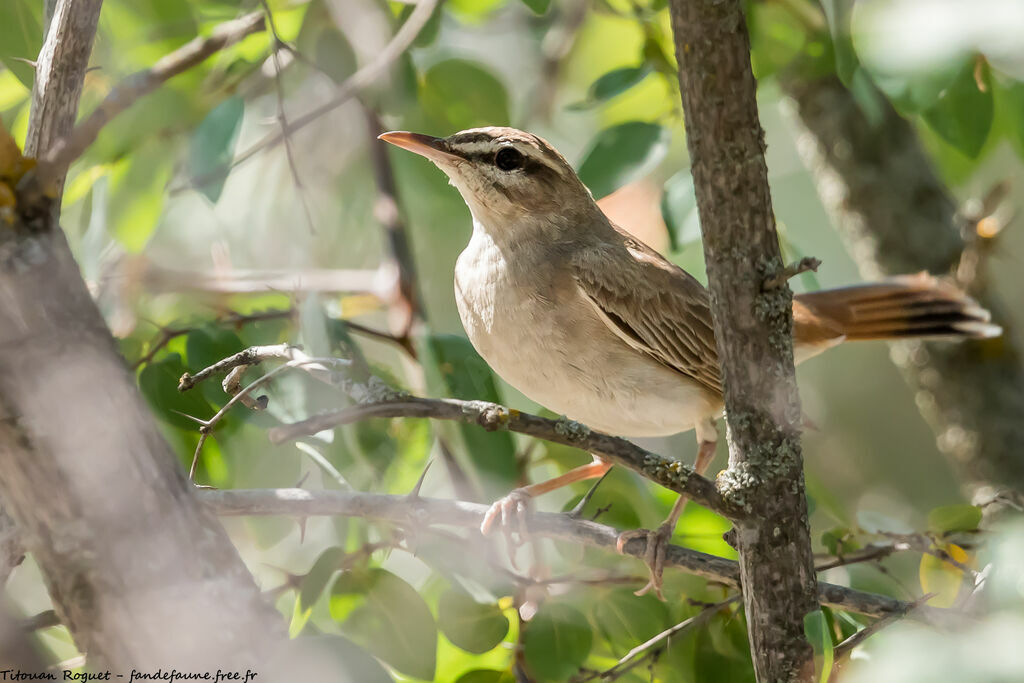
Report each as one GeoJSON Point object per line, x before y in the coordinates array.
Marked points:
{"type": "Point", "coordinates": [557, 641]}
{"type": "Point", "coordinates": [21, 37]}
{"type": "Point", "coordinates": [963, 114]}
{"type": "Point", "coordinates": [538, 6]}
{"type": "Point", "coordinates": [818, 634]}
{"type": "Point", "coordinates": [613, 83]}
{"type": "Point", "coordinates": [322, 42]}
{"type": "Point", "coordinates": [776, 37]}
{"type": "Point", "coordinates": [386, 615]}
{"type": "Point", "coordinates": [427, 34]}
{"type": "Point", "coordinates": [952, 518]}
{"type": "Point", "coordinates": [486, 676]}
{"type": "Point", "coordinates": [455, 370]}
{"type": "Point", "coordinates": [315, 580]}
{"type": "Point", "coordinates": [460, 94]}
{"type": "Point", "coordinates": [159, 384]}
{"type": "Point", "coordinates": [213, 144]}
{"type": "Point", "coordinates": [475, 627]}
{"type": "Point", "coordinates": [625, 619]}
{"type": "Point", "coordinates": [679, 211]}
{"type": "Point", "coordinates": [837, 14]}
{"type": "Point", "coordinates": [621, 154]}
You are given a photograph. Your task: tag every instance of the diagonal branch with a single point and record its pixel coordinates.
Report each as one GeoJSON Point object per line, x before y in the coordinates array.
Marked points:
{"type": "Point", "coordinates": [60, 153]}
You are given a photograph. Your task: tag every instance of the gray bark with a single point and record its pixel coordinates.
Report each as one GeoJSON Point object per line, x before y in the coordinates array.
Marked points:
{"type": "Point", "coordinates": [139, 573]}
{"type": "Point", "coordinates": [753, 330]}
{"type": "Point", "coordinates": [896, 217]}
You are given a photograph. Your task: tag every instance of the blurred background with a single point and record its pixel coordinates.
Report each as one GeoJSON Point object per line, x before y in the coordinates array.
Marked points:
{"type": "Point", "coordinates": [202, 230]}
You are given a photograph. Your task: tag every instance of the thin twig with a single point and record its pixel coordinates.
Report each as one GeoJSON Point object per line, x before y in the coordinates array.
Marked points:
{"type": "Point", "coordinates": [807, 263]}
{"type": "Point", "coordinates": [283, 119]}
{"type": "Point", "coordinates": [65, 150]}
{"type": "Point", "coordinates": [635, 656]}
{"type": "Point", "coordinates": [361, 79]}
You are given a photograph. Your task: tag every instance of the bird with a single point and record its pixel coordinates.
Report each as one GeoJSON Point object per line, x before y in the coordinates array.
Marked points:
{"type": "Point", "coordinates": [588, 321]}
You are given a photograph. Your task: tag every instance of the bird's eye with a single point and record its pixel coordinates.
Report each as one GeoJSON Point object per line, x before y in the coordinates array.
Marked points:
{"type": "Point", "coordinates": [508, 159]}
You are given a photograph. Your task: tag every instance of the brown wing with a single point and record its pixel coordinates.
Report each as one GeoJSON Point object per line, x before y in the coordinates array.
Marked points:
{"type": "Point", "coordinates": [653, 305]}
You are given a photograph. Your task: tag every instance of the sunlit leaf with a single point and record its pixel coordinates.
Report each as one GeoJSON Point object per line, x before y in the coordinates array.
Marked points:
{"type": "Point", "coordinates": [315, 580]}
{"type": "Point", "coordinates": [622, 153]}
{"type": "Point", "coordinates": [951, 518]}
{"type": "Point", "coordinates": [388, 617]}
{"type": "Point", "coordinates": [475, 627]}
{"type": "Point", "coordinates": [776, 37]}
{"type": "Point", "coordinates": [557, 641]}
{"type": "Point", "coordinates": [213, 144]}
{"type": "Point", "coordinates": [817, 632]}
{"type": "Point", "coordinates": [138, 190]}
{"type": "Point", "coordinates": [941, 577]}
{"type": "Point", "coordinates": [486, 676]}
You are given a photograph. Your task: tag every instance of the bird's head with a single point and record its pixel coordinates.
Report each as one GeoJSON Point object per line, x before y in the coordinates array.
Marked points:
{"type": "Point", "coordinates": [507, 177]}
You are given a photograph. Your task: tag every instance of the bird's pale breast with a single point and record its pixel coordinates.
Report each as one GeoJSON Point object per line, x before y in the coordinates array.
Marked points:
{"type": "Point", "coordinates": [526, 317]}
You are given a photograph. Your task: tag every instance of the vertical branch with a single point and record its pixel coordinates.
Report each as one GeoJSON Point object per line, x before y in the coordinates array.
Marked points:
{"type": "Point", "coordinates": [397, 266]}
{"type": "Point", "coordinates": [753, 331]}
{"type": "Point", "coordinates": [896, 217]}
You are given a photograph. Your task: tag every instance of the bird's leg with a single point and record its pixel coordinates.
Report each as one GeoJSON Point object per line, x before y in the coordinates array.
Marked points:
{"type": "Point", "coordinates": [513, 508]}
{"type": "Point", "coordinates": [657, 540]}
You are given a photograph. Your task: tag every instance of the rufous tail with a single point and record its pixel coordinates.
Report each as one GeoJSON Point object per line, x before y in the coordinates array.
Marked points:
{"type": "Point", "coordinates": [908, 306]}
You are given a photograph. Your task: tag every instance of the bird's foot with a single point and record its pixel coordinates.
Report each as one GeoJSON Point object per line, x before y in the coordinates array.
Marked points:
{"type": "Point", "coordinates": [654, 554]}
{"type": "Point", "coordinates": [510, 514]}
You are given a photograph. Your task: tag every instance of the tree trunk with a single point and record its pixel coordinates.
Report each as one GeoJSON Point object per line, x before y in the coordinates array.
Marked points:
{"type": "Point", "coordinates": [753, 329]}
{"type": "Point", "coordinates": [138, 571]}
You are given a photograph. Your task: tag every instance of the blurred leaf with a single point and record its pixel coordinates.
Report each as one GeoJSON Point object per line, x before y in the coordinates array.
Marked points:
{"type": "Point", "coordinates": [622, 153]}
{"type": "Point", "coordinates": [875, 521]}
{"type": "Point", "coordinates": [475, 627]}
{"type": "Point", "coordinates": [315, 580]}
{"type": "Point", "coordinates": [720, 656]}
{"type": "Point", "coordinates": [613, 83]}
{"type": "Point", "coordinates": [322, 42]}
{"type": "Point", "coordinates": [1011, 97]}
{"type": "Point", "coordinates": [679, 210]}
{"type": "Point", "coordinates": [159, 384]}
{"type": "Point", "coordinates": [837, 14]}
{"type": "Point", "coordinates": [21, 36]}
{"type": "Point", "coordinates": [427, 34]}
{"type": "Point", "coordinates": [817, 631]}
{"type": "Point", "coordinates": [486, 676]}
{"type": "Point", "coordinates": [950, 518]}
{"type": "Point", "coordinates": [461, 94]}
{"type": "Point", "coordinates": [300, 617]}
{"type": "Point", "coordinates": [839, 540]}
{"type": "Point", "coordinates": [625, 619]}
{"type": "Point", "coordinates": [557, 641]}
{"type": "Point", "coordinates": [389, 618]}
{"type": "Point", "coordinates": [776, 37]}
{"type": "Point", "coordinates": [213, 144]}
{"type": "Point", "coordinates": [138, 189]}
{"type": "Point", "coordinates": [538, 6]}
{"type": "Point", "coordinates": [454, 369]}
{"type": "Point", "coordinates": [962, 116]}
{"type": "Point", "coordinates": [941, 577]}
{"type": "Point", "coordinates": [12, 90]}
{"type": "Point", "coordinates": [209, 344]}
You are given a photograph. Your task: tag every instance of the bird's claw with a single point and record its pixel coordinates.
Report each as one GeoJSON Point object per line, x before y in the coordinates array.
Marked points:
{"type": "Point", "coordinates": [654, 554]}
{"type": "Point", "coordinates": [512, 511]}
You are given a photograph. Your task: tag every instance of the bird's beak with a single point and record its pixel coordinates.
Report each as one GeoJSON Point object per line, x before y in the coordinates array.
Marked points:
{"type": "Point", "coordinates": [435, 149]}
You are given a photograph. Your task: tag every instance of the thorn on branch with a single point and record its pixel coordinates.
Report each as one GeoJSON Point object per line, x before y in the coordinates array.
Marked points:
{"type": "Point", "coordinates": [807, 263]}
